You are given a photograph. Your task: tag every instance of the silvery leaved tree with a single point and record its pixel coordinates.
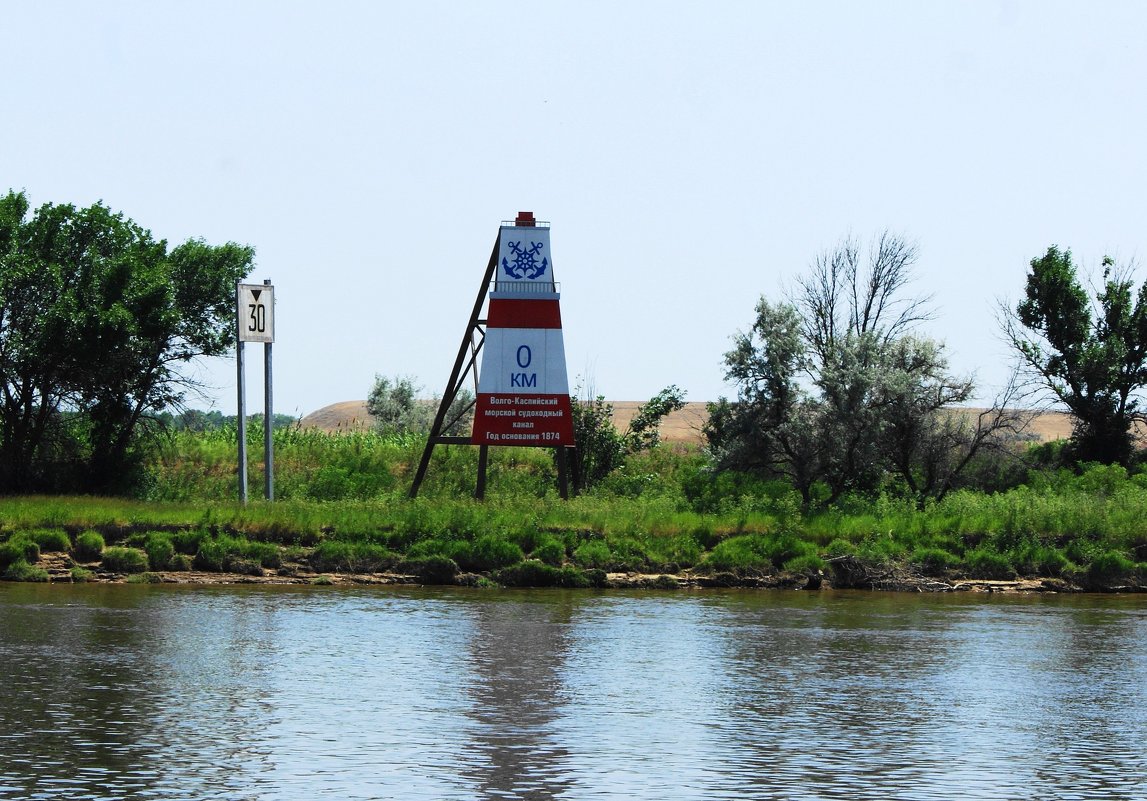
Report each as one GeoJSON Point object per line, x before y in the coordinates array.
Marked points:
{"type": "Point", "coordinates": [837, 390]}
{"type": "Point", "coordinates": [397, 408]}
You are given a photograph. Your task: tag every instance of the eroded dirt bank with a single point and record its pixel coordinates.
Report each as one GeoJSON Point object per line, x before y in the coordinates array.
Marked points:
{"type": "Point", "coordinates": [59, 568]}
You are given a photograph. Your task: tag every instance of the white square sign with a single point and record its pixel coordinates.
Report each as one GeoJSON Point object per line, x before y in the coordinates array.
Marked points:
{"type": "Point", "coordinates": [256, 312]}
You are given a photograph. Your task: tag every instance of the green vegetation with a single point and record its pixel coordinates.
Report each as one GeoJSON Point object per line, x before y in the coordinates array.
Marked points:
{"type": "Point", "coordinates": [838, 393]}
{"type": "Point", "coordinates": [97, 318]}
{"type": "Point", "coordinates": [601, 448]}
{"type": "Point", "coordinates": [1089, 354]}
{"type": "Point", "coordinates": [50, 539]}
{"type": "Point", "coordinates": [125, 560]}
{"type": "Point", "coordinates": [22, 571]}
{"type": "Point", "coordinates": [665, 513]}
{"type": "Point", "coordinates": [840, 460]}
{"type": "Point", "coordinates": [89, 547]}
{"type": "Point", "coordinates": [396, 408]}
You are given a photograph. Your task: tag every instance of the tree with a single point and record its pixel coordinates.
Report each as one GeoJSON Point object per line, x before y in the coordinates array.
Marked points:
{"type": "Point", "coordinates": [601, 448]}
{"type": "Point", "coordinates": [97, 319]}
{"type": "Point", "coordinates": [836, 389]}
{"type": "Point", "coordinates": [1089, 354]}
{"type": "Point", "coordinates": [395, 405]}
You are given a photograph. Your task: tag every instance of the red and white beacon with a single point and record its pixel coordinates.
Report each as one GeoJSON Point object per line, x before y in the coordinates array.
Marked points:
{"type": "Point", "coordinates": [523, 389]}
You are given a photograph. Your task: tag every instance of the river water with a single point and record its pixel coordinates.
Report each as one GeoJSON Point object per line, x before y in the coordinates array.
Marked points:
{"type": "Point", "coordinates": [169, 692]}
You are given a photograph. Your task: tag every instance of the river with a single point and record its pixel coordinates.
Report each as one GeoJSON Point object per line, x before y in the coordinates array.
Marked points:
{"type": "Point", "coordinates": [177, 692]}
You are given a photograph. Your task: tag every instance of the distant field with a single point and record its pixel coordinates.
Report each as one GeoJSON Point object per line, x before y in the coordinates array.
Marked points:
{"type": "Point", "coordinates": [683, 426]}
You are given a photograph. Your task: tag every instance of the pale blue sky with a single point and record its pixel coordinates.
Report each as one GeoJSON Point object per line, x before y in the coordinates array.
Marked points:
{"type": "Point", "coordinates": [690, 157]}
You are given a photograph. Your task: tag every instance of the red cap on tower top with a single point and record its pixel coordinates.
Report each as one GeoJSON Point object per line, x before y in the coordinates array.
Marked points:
{"type": "Point", "coordinates": [525, 219]}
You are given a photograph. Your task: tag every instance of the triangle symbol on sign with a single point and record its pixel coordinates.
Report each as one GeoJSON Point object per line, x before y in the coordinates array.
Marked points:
{"type": "Point", "coordinates": [255, 293]}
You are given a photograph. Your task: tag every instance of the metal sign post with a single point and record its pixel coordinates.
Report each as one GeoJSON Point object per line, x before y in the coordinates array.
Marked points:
{"type": "Point", "coordinates": [255, 322]}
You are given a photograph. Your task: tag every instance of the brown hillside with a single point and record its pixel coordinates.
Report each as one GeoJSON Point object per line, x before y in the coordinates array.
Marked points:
{"type": "Point", "coordinates": [683, 426]}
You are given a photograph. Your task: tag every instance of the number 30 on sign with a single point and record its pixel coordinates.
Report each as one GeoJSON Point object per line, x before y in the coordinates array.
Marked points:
{"type": "Point", "coordinates": [256, 312]}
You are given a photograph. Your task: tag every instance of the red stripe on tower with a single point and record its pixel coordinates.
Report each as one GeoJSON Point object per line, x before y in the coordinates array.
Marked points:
{"type": "Point", "coordinates": [531, 313]}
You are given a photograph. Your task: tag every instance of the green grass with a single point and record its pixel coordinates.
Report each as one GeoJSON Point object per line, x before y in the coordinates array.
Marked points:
{"type": "Point", "coordinates": [20, 570]}
{"type": "Point", "coordinates": [81, 574]}
{"type": "Point", "coordinates": [125, 560]}
{"type": "Point", "coordinates": [50, 540]}
{"type": "Point", "coordinates": [89, 547]}
{"type": "Point", "coordinates": [342, 507]}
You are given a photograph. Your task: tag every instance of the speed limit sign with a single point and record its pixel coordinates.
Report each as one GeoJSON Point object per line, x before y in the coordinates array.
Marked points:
{"type": "Point", "coordinates": [256, 313]}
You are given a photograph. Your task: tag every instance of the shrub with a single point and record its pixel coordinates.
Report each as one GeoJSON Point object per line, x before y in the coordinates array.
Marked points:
{"type": "Point", "coordinates": [145, 578]}
{"type": "Point", "coordinates": [1108, 569]}
{"type": "Point", "coordinates": [160, 550]}
{"type": "Point", "coordinates": [595, 577]}
{"type": "Point", "coordinates": [337, 556]}
{"type": "Point", "coordinates": [189, 540]}
{"type": "Point", "coordinates": [704, 535]}
{"type": "Point", "coordinates": [809, 564]}
{"type": "Point", "coordinates": [22, 571]}
{"type": "Point", "coordinates": [235, 555]}
{"type": "Point", "coordinates": [330, 483]}
{"type": "Point", "coordinates": [533, 573]}
{"type": "Point", "coordinates": [1041, 560]}
{"type": "Point", "coordinates": [593, 553]}
{"type": "Point", "coordinates": [491, 552]}
{"type": "Point", "coordinates": [125, 560]}
{"type": "Point", "coordinates": [19, 550]}
{"type": "Point", "coordinates": [839, 547]}
{"type": "Point", "coordinates": [550, 551]}
{"type": "Point", "coordinates": [674, 552]}
{"type": "Point", "coordinates": [759, 552]}
{"type": "Point", "coordinates": [431, 569]}
{"type": "Point", "coordinates": [266, 554]}
{"type": "Point", "coordinates": [50, 540]}
{"type": "Point", "coordinates": [212, 554]}
{"type": "Point", "coordinates": [933, 561]}
{"type": "Point", "coordinates": [89, 547]}
{"type": "Point", "coordinates": [628, 556]}
{"type": "Point", "coordinates": [783, 547]}
{"type": "Point", "coordinates": [747, 552]}
{"type": "Point", "coordinates": [81, 574]}
{"type": "Point", "coordinates": [181, 562]}
{"type": "Point", "coordinates": [983, 563]}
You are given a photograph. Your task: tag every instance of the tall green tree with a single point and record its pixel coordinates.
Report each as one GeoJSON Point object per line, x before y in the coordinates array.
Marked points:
{"type": "Point", "coordinates": [97, 321]}
{"type": "Point", "coordinates": [1089, 354]}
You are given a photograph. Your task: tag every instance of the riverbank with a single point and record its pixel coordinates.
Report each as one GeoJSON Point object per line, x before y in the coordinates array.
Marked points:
{"type": "Point", "coordinates": [59, 568]}
{"type": "Point", "coordinates": [1082, 536]}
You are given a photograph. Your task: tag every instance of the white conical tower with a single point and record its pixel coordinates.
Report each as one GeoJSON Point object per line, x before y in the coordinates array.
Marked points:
{"type": "Point", "coordinates": [523, 388]}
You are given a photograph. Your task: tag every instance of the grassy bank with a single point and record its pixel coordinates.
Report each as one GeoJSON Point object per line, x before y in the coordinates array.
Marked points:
{"type": "Point", "coordinates": [1084, 532]}
{"type": "Point", "coordinates": [343, 509]}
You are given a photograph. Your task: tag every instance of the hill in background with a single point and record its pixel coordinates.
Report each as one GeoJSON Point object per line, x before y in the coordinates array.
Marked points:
{"type": "Point", "coordinates": [681, 426]}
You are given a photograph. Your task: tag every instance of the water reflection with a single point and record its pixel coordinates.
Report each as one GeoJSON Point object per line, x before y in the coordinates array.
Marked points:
{"type": "Point", "coordinates": [273, 693]}
{"type": "Point", "coordinates": [98, 693]}
{"type": "Point", "coordinates": [518, 649]}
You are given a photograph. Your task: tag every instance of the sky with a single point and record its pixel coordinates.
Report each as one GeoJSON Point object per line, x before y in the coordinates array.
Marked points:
{"type": "Point", "coordinates": [690, 157]}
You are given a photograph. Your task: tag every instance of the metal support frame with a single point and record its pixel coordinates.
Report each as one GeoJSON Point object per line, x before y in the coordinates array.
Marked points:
{"type": "Point", "coordinates": [462, 367]}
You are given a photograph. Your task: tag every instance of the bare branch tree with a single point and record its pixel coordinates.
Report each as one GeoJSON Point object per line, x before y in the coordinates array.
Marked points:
{"type": "Point", "coordinates": [843, 295]}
